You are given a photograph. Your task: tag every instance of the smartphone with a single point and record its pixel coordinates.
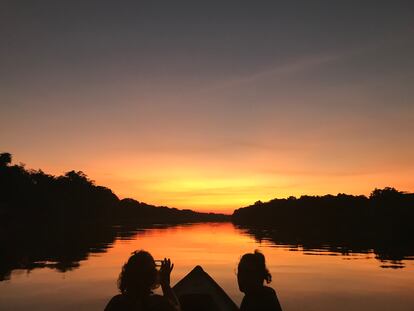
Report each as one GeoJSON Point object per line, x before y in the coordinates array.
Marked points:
{"type": "Point", "coordinates": [158, 264]}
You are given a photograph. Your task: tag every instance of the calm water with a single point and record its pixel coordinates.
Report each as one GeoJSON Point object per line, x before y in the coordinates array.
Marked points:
{"type": "Point", "coordinates": [304, 280]}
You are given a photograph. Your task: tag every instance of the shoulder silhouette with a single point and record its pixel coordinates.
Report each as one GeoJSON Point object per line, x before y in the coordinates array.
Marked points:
{"type": "Point", "coordinates": [137, 280]}
{"type": "Point", "coordinates": [251, 275]}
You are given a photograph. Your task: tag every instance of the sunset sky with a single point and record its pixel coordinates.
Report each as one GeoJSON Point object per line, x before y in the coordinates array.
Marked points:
{"type": "Point", "coordinates": [211, 105]}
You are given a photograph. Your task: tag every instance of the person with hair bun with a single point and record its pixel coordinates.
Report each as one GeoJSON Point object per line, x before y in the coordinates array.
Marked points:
{"type": "Point", "coordinates": [138, 278]}
{"type": "Point", "coordinates": [251, 274]}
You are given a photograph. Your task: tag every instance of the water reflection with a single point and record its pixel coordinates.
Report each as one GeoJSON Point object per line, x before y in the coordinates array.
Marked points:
{"type": "Point", "coordinates": [59, 247]}
{"type": "Point", "coordinates": [392, 252]}
{"type": "Point", "coordinates": [85, 265]}
{"type": "Point", "coordinates": [63, 247]}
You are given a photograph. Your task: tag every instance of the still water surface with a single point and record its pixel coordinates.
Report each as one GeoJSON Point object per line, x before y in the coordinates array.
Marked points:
{"type": "Point", "coordinates": [303, 280]}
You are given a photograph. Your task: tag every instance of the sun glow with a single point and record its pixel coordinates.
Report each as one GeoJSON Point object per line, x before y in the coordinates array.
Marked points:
{"type": "Point", "coordinates": [208, 193]}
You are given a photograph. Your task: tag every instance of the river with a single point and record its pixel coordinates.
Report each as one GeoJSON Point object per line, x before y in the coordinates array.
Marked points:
{"type": "Point", "coordinates": [304, 279]}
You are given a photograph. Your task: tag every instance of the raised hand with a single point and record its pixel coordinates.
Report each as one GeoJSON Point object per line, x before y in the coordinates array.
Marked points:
{"type": "Point", "coordinates": [165, 272]}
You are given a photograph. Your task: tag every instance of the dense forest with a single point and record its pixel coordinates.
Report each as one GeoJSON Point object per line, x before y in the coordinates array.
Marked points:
{"type": "Point", "coordinates": [57, 221]}
{"type": "Point", "coordinates": [386, 207]}
{"type": "Point", "coordinates": [73, 197]}
{"type": "Point", "coordinates": [343, 223]}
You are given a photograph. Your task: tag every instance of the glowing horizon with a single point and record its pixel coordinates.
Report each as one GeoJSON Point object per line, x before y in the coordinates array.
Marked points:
{"type": "Point", "coordinates": [211, 114]}
{"type": "Point", "coordinates": [208, 189]}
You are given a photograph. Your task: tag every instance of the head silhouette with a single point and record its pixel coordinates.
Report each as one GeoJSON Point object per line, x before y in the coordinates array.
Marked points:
{"type": "Point", "coordinates": [139, 275]}
{"type": "Point", "coordinates": [252, 272]}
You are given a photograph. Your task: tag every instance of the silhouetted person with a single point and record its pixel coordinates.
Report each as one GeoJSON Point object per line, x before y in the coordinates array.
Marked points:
{"type": "Point", "coordinates": [138, 278]}
{"type": "Point", "coordinates": [251, 274]}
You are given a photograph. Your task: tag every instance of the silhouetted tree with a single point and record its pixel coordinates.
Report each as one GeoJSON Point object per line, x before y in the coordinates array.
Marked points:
{"type": "Point", "coordinates": [343, 222]}
{"type": "Point", "coordinates": [78, 178]}
{"type": "Point", "coordinates": [74, 197]}
{"type": "Point", "coordinates": [5, 158]}
{"type": "Point", "coordinates": [55, 221]}
{"type": "Point", "coordinates": [388, 193]}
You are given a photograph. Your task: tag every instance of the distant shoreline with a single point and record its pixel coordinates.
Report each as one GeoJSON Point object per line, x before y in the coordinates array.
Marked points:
{"type": "Point", "coordinates": [63, 219]}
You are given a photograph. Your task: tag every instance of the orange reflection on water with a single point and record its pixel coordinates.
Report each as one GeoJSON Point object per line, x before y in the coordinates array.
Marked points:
{"type": "Point", "coordinates": [302, 282]}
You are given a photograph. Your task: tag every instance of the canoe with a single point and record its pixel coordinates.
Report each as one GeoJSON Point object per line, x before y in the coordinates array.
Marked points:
{"type": "Point", "coordinates": [198, 291]}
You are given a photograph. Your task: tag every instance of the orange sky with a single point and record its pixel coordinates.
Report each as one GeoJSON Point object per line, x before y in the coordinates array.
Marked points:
{"type": "Point", "coordinates": [212, 113]}
{"type": "Point", "coordinates": [213, 180]}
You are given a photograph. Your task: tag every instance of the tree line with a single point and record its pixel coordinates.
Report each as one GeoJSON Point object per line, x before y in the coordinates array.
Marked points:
{"type": "Point", "coordinates": [55, 222]}
{"type": "Point", "coordinates": [382, 208]}
{"type": "Point", "coordinates": [73, 197]}
{"type": "Point", "coordinates": [380, 222]}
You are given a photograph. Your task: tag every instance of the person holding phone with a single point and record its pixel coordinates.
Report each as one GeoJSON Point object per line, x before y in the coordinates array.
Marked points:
{"type": "Point", "coordinates": [137, 280]}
